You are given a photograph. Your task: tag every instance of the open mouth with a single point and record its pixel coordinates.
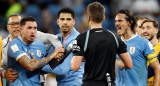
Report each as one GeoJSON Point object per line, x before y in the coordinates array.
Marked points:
{"type": "Point", "coordinates": [65, 27]}
{"type": "Point", "coordinates": [118, 29]}
{"type": "Point", "coordinates": [145, 35]}
{"type": "Point", "coordinates": [32, 36]}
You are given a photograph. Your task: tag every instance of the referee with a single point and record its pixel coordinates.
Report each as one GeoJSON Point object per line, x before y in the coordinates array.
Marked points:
{"type": "Point", "coordinates": [98, 47]}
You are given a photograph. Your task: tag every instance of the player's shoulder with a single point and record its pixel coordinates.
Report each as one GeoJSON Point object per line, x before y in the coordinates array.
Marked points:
{"type": "Point", "coordinates": [82, 35]}
{"type": "Point", "coordinates": [141, 39]}
{"type": "Point", "coordinates": [15, 41]}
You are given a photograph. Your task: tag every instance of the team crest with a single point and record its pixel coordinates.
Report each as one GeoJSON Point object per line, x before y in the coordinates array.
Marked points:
{"type": "Point", "coordinates": [38, 53]}
{"type": "Point", "coordinates": [132, 50]}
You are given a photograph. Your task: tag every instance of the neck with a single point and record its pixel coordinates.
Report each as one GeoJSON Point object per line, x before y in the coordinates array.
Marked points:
{"type": "Point", "coordinates": [26, 41]}
{"type": "Point", "coordinates": [129, 34]}
{"type": "Point", "coordinates": [12, 37]}
{"type": "Point", "coordinates": [154, 41]}
{"type": "Point", "coordinates": [95, 25]}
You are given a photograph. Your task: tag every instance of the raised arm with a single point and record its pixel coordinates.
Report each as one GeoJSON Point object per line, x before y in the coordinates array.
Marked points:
{"type": "Point", "coordinates": [48, 38]}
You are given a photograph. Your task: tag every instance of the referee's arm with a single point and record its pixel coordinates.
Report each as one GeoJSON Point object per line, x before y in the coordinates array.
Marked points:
{"type": "Point", "coordinates": [125, 62]}
{"type": "Point", "coordinates": [76, 62]}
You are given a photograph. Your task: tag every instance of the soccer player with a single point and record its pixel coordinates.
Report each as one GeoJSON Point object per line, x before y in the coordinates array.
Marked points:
{"type": "Point", "coordinates": [98, 47]}
{"type": "Point", "coordinates": [13, 25]}
{"type": "Point", "coordinates": [140, 51]}
{"type": "Point", "coordinates": [22, 48]}
{"type": "Point", "coordinates": [149, 30]}
{"type": "Point", "coordinates": [139, 21]}
{"type": "Point", "coordinates": [138, 30]}
{"type": "Point", "coordinates": [65, 76]}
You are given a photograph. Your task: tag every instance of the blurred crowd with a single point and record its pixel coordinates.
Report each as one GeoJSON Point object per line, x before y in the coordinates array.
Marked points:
{"type": "Point", "coordinates": [45, 11]}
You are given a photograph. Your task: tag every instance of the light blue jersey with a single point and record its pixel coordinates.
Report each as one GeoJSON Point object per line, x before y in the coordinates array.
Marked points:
{"type": "Point", "coordinates": [65, 76]}
{"type": "Point", "coordinates": [138, 48]}
{"type": "Point", "coordinates": [16, 50]}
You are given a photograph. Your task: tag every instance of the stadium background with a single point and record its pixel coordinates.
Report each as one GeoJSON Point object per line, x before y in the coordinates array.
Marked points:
{"type": "Point", "coordinates": [45, 11]}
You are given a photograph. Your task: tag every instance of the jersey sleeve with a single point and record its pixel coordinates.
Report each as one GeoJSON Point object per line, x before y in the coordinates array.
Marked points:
{"type": "Point", "coordinates": [15, 50]}
{"type": "Point", "coordinates": [48, 38]}
{"type": "Point", "coordinates": [122, 46]}
{"type": "Point", "coordinates": [148, 48]}
{"type": "Point", "coordinates": [4, 64]}
{"type": "Point", "coordinates": [149, 52]}
{"type": "Point", "coordinates": [78, 46]}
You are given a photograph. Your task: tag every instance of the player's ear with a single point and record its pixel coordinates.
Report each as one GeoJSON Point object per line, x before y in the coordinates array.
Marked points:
{"type": "Point", "coordinates": [103, 18]}
{"type": "Point", "coordinates": [58, 21]}
{"type": "Point", "coordinates": [89, 18]}
{"type": "Point", "coordinates": [73, 21]}
{"type": "Point", "coordinates": [156, 31]}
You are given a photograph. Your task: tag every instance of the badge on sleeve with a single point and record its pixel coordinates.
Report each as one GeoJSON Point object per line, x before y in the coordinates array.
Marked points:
{"type": "Point", "coordinates": [38, 53]}
{"type": "Point", "coordinates": [14, 48]}
{"type": "Point", "coordinates": [132, 50]}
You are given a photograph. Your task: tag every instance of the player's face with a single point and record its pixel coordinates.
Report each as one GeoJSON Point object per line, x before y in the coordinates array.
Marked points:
{"type": "Point", "coordinates": [13, 26]}
{"type": "Point", "coordinates": [121, 24]}
{"type": "Point", "coordinates": [148, 30]}
{"type": "Point", "coordinates": [28, 32]}
{"type": "Point", "coordinates": [65, 22]}
{"type": "Point", "coordinates": [138, 28]}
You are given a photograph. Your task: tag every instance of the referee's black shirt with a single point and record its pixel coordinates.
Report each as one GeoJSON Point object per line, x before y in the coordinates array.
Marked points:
{"type": "Point", "coordinates": [100, 54]}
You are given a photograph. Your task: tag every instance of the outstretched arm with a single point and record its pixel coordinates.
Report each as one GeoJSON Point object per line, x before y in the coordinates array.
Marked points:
{"type": "Point", "coordinates": [32, 64]}
{"type": "Point", "coordinates": [61, 68]}
{"type": "Point", "coordinates": [48, 38]}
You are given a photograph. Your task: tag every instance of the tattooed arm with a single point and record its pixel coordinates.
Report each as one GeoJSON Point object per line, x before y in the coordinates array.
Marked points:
{"type": "Point", "coordinates": [32, 64]}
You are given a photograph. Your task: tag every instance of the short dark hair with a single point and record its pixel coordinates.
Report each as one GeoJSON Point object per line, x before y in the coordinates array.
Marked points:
{"type": "Point", "coordinates": [129, 17]}
{"type": "Point", "coordinates": [155, 23]}
{"type": "Point", "coordinates": [25, 19]}
{"type": "Point", "coordinates": [66, 10]}
{"type": "Point", "coordinates": [96, 12]}
{"type": "Point", "coordinates": [12, 16]}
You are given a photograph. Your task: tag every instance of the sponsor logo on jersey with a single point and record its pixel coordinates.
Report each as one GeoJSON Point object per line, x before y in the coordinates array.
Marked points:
{"type": "Point", "coordinates": [38, 53]}
{"type": "Point", "coordinates": [132, 50]}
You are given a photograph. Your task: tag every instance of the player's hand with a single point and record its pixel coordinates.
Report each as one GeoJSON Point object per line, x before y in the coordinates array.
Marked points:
{"type": "Point", "coordinates": [10, 74]}
{"type": "Point", "coordinates": [33, 58]}
{"type": "Point", "coordinates": [58, 53]}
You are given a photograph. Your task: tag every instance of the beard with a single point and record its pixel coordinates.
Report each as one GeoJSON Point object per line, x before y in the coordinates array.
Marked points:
{"type": "Point", "coordinates": [151, 37]}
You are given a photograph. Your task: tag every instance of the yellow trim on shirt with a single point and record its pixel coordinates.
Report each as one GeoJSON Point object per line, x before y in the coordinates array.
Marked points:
{"type": "Point", "coordinates": [0, 58]}
{"type": "Point", "coordinates": [157, 48]}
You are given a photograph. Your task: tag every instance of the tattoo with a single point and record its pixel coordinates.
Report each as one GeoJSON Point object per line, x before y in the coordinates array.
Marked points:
{"type": "Point", "coordinates": [40, 63]}
{"type": "Point", "coordinates": [24, 61]}
{"type": "Point", "coordinates": [32, 64]}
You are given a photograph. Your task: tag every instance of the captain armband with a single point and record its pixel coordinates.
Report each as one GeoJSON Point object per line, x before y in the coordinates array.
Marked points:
{"type": "Point", "coordinates": [152, 57]}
